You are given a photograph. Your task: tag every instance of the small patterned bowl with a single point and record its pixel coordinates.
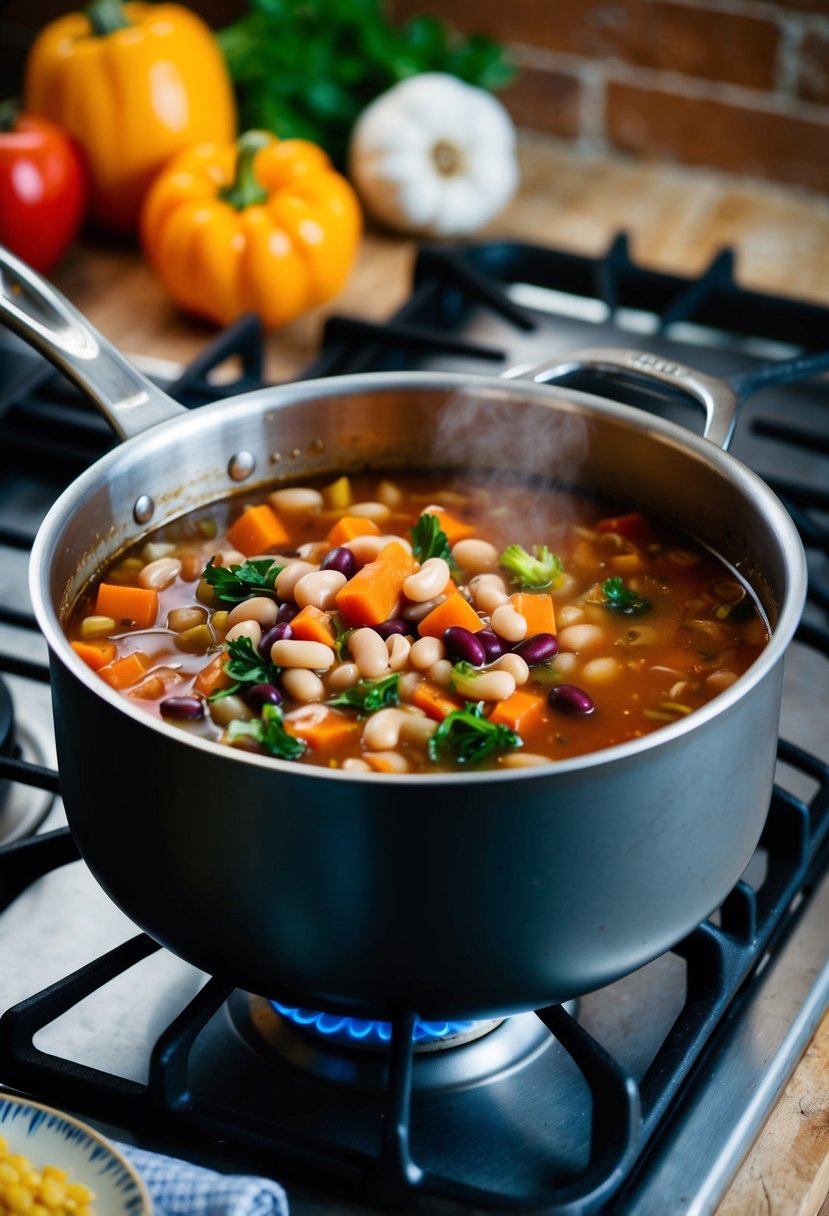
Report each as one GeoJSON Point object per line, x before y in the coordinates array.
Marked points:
{"type": "Point", "coordinates": [48, 1137]}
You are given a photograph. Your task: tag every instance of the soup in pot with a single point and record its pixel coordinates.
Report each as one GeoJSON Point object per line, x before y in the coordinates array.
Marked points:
{"type": "Point", "coordinates": [412, 623]}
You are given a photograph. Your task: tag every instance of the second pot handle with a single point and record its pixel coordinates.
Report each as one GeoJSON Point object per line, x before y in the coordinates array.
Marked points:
{"type": "Point", "coordinates": [718, 399]}
{"type": "Point", "coordinates": [43, 317]}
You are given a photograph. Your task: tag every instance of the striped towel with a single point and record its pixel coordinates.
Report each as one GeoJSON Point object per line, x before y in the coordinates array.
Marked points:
{"type": "Point", "coordinates": [179, 1189]}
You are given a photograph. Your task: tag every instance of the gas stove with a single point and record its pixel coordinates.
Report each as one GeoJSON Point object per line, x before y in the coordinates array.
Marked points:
{"type": "Point", "coordinates": [642, 1097]}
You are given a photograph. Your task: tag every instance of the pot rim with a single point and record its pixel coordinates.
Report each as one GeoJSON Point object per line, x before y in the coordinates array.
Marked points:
{"type": "Point", "coordinates": [749, 483]}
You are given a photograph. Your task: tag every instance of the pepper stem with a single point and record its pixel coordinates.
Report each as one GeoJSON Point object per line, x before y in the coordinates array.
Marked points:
{"type": "Point", "coordinates": [10, 111]}
{"type": "Point", "coordinates": [245, 190]}
{"type": "Point", "coordinates": [106, 16]}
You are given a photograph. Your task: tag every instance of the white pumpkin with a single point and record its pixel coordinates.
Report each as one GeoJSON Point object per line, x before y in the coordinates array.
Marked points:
{"type": "Point", "coordinates": [434, 156]}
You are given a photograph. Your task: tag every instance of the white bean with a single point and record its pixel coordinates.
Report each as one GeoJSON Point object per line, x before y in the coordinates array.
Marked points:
{"type": "Point", "coordinates": [387, 762]}
{"type": "Point", "coordinates": [407, 684]}
{"type": "Point", "coordinates": [229, 557]}
{"type": "Point", "coordinates": [601, 671]}
{"type": "Point", "coordinates": [288, 578]}
{"type": "Point", "coordinates": [355, 765]}
{"type": "Point", "coordinates": [368, 650]}
{"type": "Point", "coordinates": [315, 656]}
{"type": "Point", "coordinates": [399, 649]}
{"type": "Point", "coordinates": [160, 573]}
{"type": "Point", "coordinates": [245, 629]}
{"type": "Point", "coordinates": [319, 589]}
{"type": "Point", "coordinates": [425, 652]}
{"type": "Point", "coordinates": [416, 612]}
{"type": "Point", "coordinates": [508, 624]}
{"type": "Point", "coordinates": [229, 709]}
{"type": "Point", "coordinates": [565, 664]}
{"type": "Point", "coordinates": [259, 608]}
{"type": "Point", "coordinates": [440, 673]}
{"type": "Point", "coordinates": [488, 591]}
{"type": "Point", "coordinates": [296, 500]}
{"type": "Point", "coordinates": [515, 665]}
{"type": "Point", "coordinates": [389, 493]}
{"type": "Point", "coordinates": [377, 512]}
{"type": "Point", "coordinates": [382, 730]}
{"type": "Point", "coordinates": [475, 556]}
{"type": "Point", "coordinates": [486, 686]}
{"type": "Point", "coordinates": [522, 760]}
{"type": "Point", "coordinates": [97, 626]}
{"type": "Point", "coordinates": [416, 729]}
{"type": "Point", "coordinates": [581, 637]}
{"type": "Point", "coordinates": [365, 548]}
{"type": "Point", "coordinates": [569, 614]}
{"type": "Point", "coordinates": [564, 586]}
{"type": "Point", "coordinates": [719, 680]}
{"type": "Point", "coordinates": [152, 551]}
{"type": "Point", "coordinates": [428, 581]}
{"type": "Point", "coordinates": [303, 685]}
{"type": "Point", "coordinates": [344, 675]}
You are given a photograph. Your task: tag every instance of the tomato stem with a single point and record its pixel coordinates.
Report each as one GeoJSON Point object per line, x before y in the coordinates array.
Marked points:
{"type": "Point", "coordinates": [246, 191]}
{"type": "Point", "coordinates": [106, 16]}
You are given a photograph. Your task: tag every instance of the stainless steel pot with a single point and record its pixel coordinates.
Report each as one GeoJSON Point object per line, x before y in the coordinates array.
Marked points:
{"type": "Point", "coordinates": [461, 896]}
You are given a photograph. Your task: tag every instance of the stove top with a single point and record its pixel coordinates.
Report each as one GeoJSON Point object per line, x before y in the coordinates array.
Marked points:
{"type": "Point", "coordinates": [644, 1096]}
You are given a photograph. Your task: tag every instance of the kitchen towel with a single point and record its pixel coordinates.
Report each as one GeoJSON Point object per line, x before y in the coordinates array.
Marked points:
{"type": "Point", "coordinates": [178, 1188]}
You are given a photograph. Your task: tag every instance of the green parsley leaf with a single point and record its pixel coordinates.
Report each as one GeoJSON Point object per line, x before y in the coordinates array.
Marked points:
{"type": "Point", "coordinates": [533, 573]}
{"type": "Point", "coordinates": [430, 540]}
{"type": "Point", "coordinates": [343, 633]}
{"type": "Point", "coordinates": [269, 733]}
{"type": "Point", "coordinates": [233, 584]}
{"type": "Point", "coordinates": [467, 737]}
{"type": "Point", "coordinates": [619, 598]}
{"type": "Point", "coordinates": [368, 695]}
{"type": "Point", "coordinates": [246, 665]}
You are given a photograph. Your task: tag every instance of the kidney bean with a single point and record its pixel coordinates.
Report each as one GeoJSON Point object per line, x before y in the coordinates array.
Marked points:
{"type": "Point", "coordinates": [340, 559]}
{"type": "Point", "coordinates": [570, 699]}
{"type": "Point", "coordinates": [395, 624]}
{"type": "Point", "coordinates": [286, 613]}
{"type": "Point", "coordinates": [537, 649]}
{"type": "Point", "coordinates": [277, 633]}
{"type": "Point", "coordinates": [493, 646]}
{"type": "Point", "coordinates": [182, 708]}
{"type": "Point", "coordinates": [462, 646]}
{"type": "Point", "coordinates": [259, 695]}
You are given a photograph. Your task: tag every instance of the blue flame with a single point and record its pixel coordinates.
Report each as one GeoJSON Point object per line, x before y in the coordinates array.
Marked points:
{"type": "Point", "coordinates": [369, 1033]}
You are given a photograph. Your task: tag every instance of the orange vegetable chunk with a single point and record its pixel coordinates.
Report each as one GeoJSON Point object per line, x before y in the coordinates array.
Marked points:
{"type": "Point", "coordinates": [374, 592]}
{"type": "Point", "coordinates": [323, 733]}
{"type": "Point", "coordinates": [138, 605]}
{"type": "Point", "coordinates": [456, 529]}
{"type": "Point", "coordinates": [537, 610]}
{"type": "Point", "coordinates": [124, 672]}
{"type": "Point", "coordinates": [313, 625]}
{"type": "Point", "coordinates": [453, 611]}
{"type": "Point", "coordinates": [520, 712]}
{"type": "Point", "coordinates": [350, 526]}
{"type": "Point", "coordinates": [95, 654]}
{"type": "Point", "coordinates": [434, 701]}
{"type": "Point", "coordinates": [213, 677]}
{"type": "Point", "coordinates": [256, 530]}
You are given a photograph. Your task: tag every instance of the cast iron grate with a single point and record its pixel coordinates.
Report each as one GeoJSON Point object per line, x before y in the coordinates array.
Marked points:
{"type": "Point", "coordinates": [48, 428]}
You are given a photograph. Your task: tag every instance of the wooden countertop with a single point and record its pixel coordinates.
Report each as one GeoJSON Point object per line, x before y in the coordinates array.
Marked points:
{"type": "Point", "coordinates": [676, 219]}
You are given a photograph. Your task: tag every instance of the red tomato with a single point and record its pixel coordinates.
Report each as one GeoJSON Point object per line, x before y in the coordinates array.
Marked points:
{"type": "Point", "coordinates": [42, 189]}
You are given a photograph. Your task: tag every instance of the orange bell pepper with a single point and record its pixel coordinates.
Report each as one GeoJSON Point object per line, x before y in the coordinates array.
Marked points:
{"type": "Point", "coordinates": [266, 226]}
{"type": "Point", "coordinates": [132, 84]}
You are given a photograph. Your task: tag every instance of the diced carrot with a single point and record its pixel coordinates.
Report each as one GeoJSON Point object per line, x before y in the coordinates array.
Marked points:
{"type": "Point", "coordinates": [149, 690]}
{"type": "Point", "coordinates": [257, 530]}
{"type": "Point", "coordinates": [537, 610]}
{"type": "Point", "coordinates": [95, 654]}
{"type": "Point", "coordinates": [213, 677]}
{"type": "Point", "coordinates": [520, 712]}
{"type": "Point", "coordinates": [323, 733]}
{"type": "Point", "coordinates": [350, 526]}
{"type": "Point", "coordinates": [313, 625]}
{"type": "Point", "coordinates": [373, 593]}
{"type": "Point", "coordinates": [453, 611]}
{"type": "Point", "coordinates": [456, 529]}
{"type": "Point", "coordinates": [434, 701]}
{"type": "Point", "coordinates": [124, 672]}
{"type": "Point", "coordinates": [136, 605]}
{"type": "Point", "coordinates": [635, 527]}
{"type": "Point", "coordinates": [627, 563]}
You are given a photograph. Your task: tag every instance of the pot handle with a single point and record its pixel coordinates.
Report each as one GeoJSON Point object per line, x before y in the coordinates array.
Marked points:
{"type": "Point", "coordinates": [718, 399]}
{"type": "Point", "coordinates": [43, 317]}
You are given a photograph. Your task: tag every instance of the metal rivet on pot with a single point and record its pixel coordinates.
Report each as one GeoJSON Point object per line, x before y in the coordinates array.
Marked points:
{"type": "Point", "coordinates": [296, 453]}
{"type": "Point", "coordinates": [241, 465]}
{"type": "Point", "coordinates": [143, 510]}
{"type": "Point", "coordinates": [317, 445]}
{"type": "Point", "coordinates": [275, 457]}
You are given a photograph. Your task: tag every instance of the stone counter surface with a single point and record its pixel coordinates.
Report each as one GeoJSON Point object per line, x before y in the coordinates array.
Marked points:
{"type": "Point", "coordinates": [676, 220]}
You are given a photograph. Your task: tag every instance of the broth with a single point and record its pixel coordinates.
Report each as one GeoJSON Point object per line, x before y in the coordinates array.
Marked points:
{"type": "Point", "coordinates": [574, 625]}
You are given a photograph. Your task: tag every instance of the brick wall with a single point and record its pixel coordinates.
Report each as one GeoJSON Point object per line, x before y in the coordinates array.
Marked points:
{"type": "Point", "coordinates": [739, 85]}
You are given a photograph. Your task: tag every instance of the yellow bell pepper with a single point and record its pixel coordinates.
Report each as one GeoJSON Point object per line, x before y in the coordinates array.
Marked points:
{"type": "Point", "coordinates": [133, 84]}
{"type": "Point", "coordinates": [264, 226]}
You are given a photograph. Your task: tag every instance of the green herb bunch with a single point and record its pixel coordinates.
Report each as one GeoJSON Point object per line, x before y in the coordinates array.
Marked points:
{"type": "Point", "coordinates": [307, 68]}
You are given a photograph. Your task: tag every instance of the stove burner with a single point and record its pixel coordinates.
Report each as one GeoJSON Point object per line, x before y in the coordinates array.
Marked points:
{"type": "Point", "coordinates": [373, 1035]}
{"type": "Point", "coordinates": [22, 809]}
